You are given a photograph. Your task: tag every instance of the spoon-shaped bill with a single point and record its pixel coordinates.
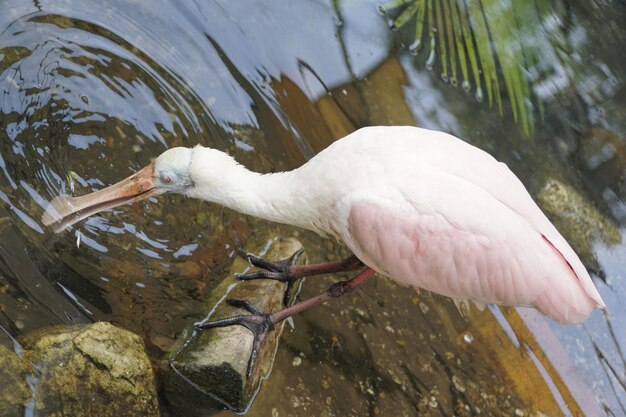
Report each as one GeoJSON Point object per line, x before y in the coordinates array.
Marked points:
{"type": "Point", "coordinates": [64, 210]}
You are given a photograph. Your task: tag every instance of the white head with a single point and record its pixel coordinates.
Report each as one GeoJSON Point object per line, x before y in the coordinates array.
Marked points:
{"type": "Point", "coordinates": [172, 171]}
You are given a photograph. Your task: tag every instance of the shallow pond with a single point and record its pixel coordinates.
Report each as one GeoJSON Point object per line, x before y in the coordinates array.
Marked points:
{"type": "Point", "coordinates": [92, 91]}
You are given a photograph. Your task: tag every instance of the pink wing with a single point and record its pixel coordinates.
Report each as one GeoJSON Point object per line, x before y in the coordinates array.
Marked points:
{"type": "Point", "coordinates": [451, 236]}
{"type": "Point", "coordinates": [496, 178]}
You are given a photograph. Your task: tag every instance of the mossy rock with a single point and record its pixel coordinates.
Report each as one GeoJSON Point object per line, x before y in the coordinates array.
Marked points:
{"type": "Point", "coordinates": [91, 370]}
{"type": "Point", "coordinates": [580, 222]}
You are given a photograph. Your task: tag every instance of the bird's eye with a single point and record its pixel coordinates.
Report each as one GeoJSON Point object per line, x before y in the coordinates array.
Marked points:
{"type": "Point", "coordinates": [167, 179]}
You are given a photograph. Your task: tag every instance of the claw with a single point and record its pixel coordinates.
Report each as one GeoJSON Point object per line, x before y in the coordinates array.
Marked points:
{"type": "Point", "coordinates": [278, 270]}
{"type": "Point", "coordinates": [279, 276]}
{"type": "Point", "coordinates": [246, 305]}
{"type": "Point", "coordinates": [260, 324]}
{"type": "Point", "coordinates": [274, 266]}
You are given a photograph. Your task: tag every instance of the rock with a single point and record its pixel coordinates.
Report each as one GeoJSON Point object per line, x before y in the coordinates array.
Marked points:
{"type": "Point", "coordinates": [208, 370]}
{"type": "Point", "coordinates": [91, 370]}
{"type": "Point", "coordinates": [580, 222]}
{"type": "Point", "coordinates": [14, 391]}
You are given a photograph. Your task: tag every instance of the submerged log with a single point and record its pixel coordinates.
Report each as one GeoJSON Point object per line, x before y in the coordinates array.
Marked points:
{"type": "Point", "coordinates": [208, 369]}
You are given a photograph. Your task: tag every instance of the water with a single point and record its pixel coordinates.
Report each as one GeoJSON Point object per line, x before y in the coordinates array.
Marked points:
{"type": "Point", "coordinates": [92, 92]}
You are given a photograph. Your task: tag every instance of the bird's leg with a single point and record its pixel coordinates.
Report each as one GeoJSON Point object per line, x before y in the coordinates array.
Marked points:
{"type": "Point", "coordinates": [260, 324]}
{"type": "Point", "coordinates": [287, 271]}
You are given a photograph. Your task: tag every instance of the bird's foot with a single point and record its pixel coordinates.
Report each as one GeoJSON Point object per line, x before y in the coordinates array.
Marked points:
{"type": "Point", "coordinates": [260, 324]}
{"type": "Point", "coordinates": [279, 270]}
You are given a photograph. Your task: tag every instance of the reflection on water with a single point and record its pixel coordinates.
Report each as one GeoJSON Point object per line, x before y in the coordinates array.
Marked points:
{"type": "Point", "coordinates": [91, 92]}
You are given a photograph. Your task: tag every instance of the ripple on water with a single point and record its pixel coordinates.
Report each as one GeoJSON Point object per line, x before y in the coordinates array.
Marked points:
{"type": "Point", "coordinates": [83, 105]}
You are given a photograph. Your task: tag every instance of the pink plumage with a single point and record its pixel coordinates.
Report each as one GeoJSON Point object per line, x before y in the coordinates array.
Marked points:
{"type": "Point", "coordinates": [445, 216]}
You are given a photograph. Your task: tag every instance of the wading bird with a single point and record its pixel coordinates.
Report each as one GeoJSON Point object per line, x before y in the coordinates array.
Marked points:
{"type": "Point", "coordinates": [420, 206]}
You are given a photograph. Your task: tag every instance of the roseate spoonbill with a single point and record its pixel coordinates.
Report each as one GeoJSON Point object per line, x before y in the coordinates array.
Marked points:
{"type": "Point", "coordinates": [420, 206]}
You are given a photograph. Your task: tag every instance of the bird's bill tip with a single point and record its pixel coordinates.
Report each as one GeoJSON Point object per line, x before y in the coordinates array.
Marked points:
{"type": "Point", "coordinates": [64, 211]}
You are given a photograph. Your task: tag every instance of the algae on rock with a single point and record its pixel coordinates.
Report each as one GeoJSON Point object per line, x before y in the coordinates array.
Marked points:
{"type": "Point", "coordinates": [580, 222]}
{"type": "Point", "coordinates": [14, 391]}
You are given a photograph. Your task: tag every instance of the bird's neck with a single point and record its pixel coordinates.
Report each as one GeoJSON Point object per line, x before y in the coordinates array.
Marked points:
{"type": "Point", "coordinates": [277, 197]}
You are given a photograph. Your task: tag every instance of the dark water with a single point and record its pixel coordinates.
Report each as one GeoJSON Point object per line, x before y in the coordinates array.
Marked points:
{"type": "Point", "coordinates": [91, 92]}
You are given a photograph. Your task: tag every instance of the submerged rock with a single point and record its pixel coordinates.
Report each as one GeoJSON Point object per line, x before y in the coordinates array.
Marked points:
{"type": "Point", "coordinates": [91, 370]}
{"type": "Point", "coordinates": [14, 391]}
{"type": "Point", "coordinates": [208, 370]}
{"type": "Point", "coordinates": [578, 219]}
